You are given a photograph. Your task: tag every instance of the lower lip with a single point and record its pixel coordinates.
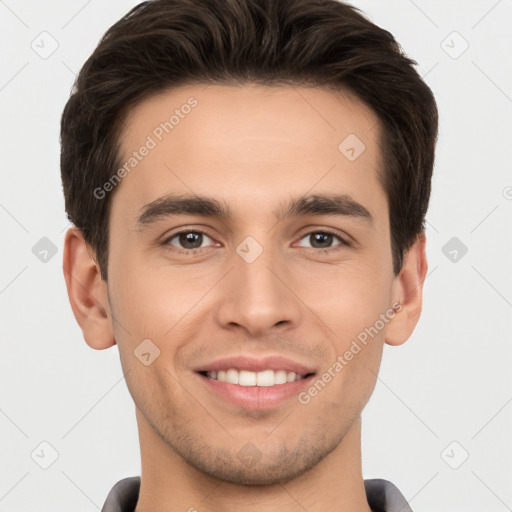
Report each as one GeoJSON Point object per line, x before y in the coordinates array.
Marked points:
{"type": "Point", "coordinates": [256, 397]}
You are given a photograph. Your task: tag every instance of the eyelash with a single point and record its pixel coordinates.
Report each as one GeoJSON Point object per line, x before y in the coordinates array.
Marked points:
{"type": "Point", "coordinates": [343, 242]}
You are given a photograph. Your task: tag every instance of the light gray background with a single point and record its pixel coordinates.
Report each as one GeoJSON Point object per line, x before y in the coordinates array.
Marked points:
{"type": "Point", "coordinates": [451, 382]}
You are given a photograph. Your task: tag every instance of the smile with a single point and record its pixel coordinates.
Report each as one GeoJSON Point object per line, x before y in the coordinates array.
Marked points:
{"type": "Point", "coordinates": [263, 378]}
{"type": "Point", "coordinates": [255, 391]}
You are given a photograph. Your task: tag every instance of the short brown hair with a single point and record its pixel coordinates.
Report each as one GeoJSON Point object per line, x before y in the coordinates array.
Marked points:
{"type": "Point", "coordinates": [160, 44]}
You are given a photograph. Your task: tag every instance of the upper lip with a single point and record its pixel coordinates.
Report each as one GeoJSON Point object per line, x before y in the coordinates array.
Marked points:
{"type": "Point", "coordinates": [256, 364]}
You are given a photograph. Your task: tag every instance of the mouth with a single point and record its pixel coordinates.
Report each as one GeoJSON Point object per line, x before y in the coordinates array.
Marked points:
{"type": "Point", "coordinates": [246, 378]}
{"type": "Point", "coordinates": [255, 384]}
{"type": "Point", "coordinates": [255, 391]}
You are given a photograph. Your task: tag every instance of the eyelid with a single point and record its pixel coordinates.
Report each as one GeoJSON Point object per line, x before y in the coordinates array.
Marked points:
{"type": "Point", "coordinates": [168, 237]}
{"type": "Point", "coordinates": [312, 230]}
{"type": "Point", "coordinates": [344, 239]}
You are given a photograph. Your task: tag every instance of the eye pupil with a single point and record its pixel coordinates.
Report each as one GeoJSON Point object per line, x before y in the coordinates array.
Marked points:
{"type": "Point", "coordinates": [322, 237]}
{"type": "Point", "coordinates": [191, 238]}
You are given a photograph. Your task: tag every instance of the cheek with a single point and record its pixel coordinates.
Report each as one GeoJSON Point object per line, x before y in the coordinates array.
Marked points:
{"type": "Point", "coordinates": [155, 311]}
{"type": "Point", "coordinates": [349, 299]}
{"type": "Point", "coordinates": [147, 300]}
{"type": "Point", "coordinates": [155, 389]}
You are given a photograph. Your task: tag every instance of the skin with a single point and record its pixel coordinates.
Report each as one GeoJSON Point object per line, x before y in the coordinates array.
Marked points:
{"type": "Point", "coordinates": [254, 148]}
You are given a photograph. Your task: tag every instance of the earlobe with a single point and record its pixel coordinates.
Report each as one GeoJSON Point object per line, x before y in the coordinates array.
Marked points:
{"type": "Point", "coordinates": [87, 292]}
{"type": "Point", "coordinates": [408, 292]}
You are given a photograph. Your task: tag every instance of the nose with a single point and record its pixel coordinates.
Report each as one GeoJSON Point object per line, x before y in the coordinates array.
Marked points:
{"type": "Point", "coordinates": [258, 296]}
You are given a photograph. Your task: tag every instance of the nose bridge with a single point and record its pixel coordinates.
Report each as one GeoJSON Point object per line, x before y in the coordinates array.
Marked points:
{"type": "Point", "coordinates": [256, 275]}
{"type": "Point", "coordinates": [257, 298]}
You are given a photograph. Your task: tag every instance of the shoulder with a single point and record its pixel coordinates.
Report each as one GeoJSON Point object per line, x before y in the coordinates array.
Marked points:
{"type": "Point", "coordinates": [123, 496]}
{"type": "Point", "coordinates": [384, 496]}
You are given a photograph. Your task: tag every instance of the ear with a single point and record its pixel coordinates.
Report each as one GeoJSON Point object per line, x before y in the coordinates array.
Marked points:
{"type": "Point", "coordinates": [408, 292]}
{"type": "Point", "coordinates": [87, 291]}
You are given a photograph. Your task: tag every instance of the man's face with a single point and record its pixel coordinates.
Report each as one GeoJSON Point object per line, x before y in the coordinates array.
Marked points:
{"type": "Point", "coordinates": [256, 291]}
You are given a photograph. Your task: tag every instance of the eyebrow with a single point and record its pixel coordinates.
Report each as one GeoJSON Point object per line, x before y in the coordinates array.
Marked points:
{"type": "Point", "coordinates": [313, 204]}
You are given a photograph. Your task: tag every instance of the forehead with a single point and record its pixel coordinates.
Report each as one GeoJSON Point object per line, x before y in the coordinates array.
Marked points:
{"type": "Point", "coordinates": [241, 142]}
{"type": "Point", "coordinates": [250, 111]}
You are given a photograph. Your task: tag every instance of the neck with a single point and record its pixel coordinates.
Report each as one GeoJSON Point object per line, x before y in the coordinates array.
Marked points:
{"type": "Point", "coordinates": [170, 483]}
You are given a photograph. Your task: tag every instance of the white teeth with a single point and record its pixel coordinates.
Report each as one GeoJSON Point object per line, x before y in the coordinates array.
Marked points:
{"type": "Point", "coordinates": [280, 377]}
{"type": "Point", "coordinates": [265, 378]}
{"type": "Point", "coordinates": [247, 378]}
{"type": "Point", "coordinates": [232, 376]}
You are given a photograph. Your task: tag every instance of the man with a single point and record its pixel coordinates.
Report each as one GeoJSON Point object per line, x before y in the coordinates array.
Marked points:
{"type": "Point", "coordinates": [248, 182]}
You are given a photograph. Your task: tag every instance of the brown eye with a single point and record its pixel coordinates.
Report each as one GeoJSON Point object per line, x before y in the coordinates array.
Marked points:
{"type": "Point", "coordinates": [188, 240]}
{"type": "Point", "coordinates": [323, 240]}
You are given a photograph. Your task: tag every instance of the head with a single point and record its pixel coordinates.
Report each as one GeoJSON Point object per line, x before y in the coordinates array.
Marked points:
{"type": "Point", "coordinates": [209, 152]}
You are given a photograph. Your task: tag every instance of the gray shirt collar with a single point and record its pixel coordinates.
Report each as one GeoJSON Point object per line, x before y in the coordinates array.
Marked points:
{"type": "Point", "coordinates": [382, 495]}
